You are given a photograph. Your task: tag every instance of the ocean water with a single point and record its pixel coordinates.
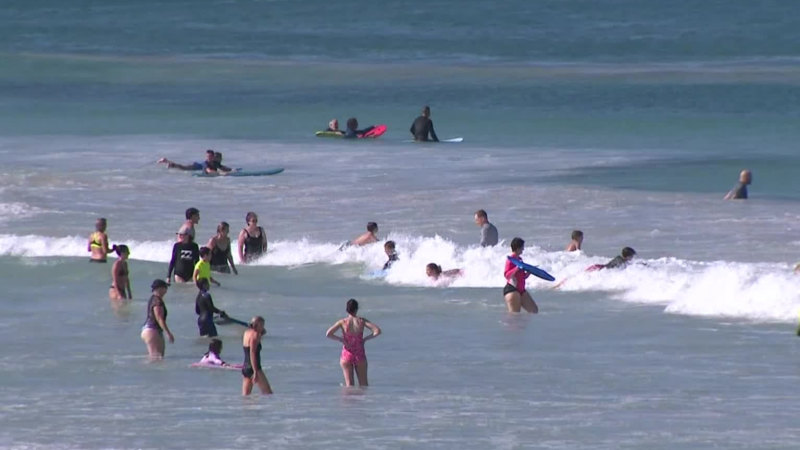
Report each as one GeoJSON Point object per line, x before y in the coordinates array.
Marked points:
{"type": "Point", "coordinates": [627, 120]}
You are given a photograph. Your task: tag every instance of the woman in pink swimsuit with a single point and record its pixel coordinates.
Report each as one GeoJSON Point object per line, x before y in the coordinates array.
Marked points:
{"type": "Point", "coordinates": [352, 339]}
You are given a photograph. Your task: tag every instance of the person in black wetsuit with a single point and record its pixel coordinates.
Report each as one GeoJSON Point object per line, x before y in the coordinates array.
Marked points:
{"type": "Point", "coordinates": [205, 310]}
{"type": "Point", "coordinates": [622, 260]}
{"type": "Point", "coordinates": [251, 370]}
{"type": "Point", "coordinates": [352, 131]}
{"type": "Point", "coordinates": [423, 126]}
{"type": "Point", "coordinates": [388, 247]}
{"type": "Point", "coordinates": [252, 240]}
{"type": "Point", "coordinates": [739, 192]}
{"type": "Point", "coordinates": [185, 255]}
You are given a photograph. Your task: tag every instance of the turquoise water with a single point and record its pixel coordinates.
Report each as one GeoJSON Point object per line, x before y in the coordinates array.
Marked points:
{"type": "Point", "coordinates": [628, 120]}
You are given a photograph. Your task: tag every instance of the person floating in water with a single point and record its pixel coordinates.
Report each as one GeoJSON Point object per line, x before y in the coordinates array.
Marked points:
{"type": "Point", "coordinates": [391, 253]}
{"type": "Point", "coordinates": [488, 231]}
{"type": "Point", "coordinates": [423, 126]}
{"type": "Point", "coordinates": [739, 192]}
{"type": "Point", "coordinates": [577, 241]}
{"type": "Point", "coordinates": [352, 130]}
{"type": "Point", "coordinates": [435, 272]}
{"type": "Point", "coordinates": [333, 127]}
{"type": "Point", "coordinates": [98, 242]}
{"type": "Point", "coordinates": [354, 357]}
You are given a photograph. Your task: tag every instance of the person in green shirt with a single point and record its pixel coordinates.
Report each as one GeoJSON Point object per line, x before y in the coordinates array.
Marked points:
{"type": "Point", "coordinates": [202, 270]}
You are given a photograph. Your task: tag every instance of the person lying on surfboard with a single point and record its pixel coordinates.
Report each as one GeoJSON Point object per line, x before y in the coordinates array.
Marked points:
{"type": "Point", "coordinates": [423, 126]}
{"type": "Point", "coordinates": [352, 131]}
{"type": "Point", "coordinates": [208, 163]}
{"type": "Point", "coordinates": [333, 127]}
{"type": "Point", "coordinates": [213, 355]}
{"type": "Point", "coordinates": [619, 262]}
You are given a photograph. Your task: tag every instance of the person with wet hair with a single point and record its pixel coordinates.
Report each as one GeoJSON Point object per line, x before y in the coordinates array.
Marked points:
{"type": "Point", "coordinates": [353, 357]}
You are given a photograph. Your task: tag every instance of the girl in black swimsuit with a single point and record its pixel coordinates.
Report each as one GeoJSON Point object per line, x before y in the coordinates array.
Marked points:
{"type": "Point", "coordinates": [252, 240]}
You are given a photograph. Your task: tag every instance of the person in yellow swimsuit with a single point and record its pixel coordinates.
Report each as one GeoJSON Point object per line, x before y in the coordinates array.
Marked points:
{"type": "Point", "coordinates": [98, 242]}
{"type": "Point", "coordinates": [202, 270]}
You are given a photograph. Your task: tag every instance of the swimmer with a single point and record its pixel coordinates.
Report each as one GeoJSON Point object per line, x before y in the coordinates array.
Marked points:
{"type": "Point", "coordinates": [352, 131]}
{"type": "Point", "coordinates": [202, 270]}
{"type": "Point", "coordinates": [220, 245]}
{"type": "Point", "coordinates": [120, 278]}
{"type": "Point", "coordinates": [205, 310]}
{"type": "Point", "coordinates": [251, 370]}
{"type": "Point", "coordinates": [488, 231]}
{"type": "Point", "coordinates": [155, 323]}
{"type": "Point", "coordinates": [514, 292]}
{"type": "Point", "coordinates": [333, 127]}
{"type": "Point", "coordinates": [353, 357]}
{"type": "Point", "coordinates": [435, 272]}
{"type": "Point", "coordinates": [739, 192]}
{"type": "Point", "coordinates": [192, 219]}
{"type": "Point", "coordinates": [388, 247]}
{"type": "Point", "coordinates": [370, 237]}
{"type": "Point", "coordinates": [577, 241]}
{"type": "Point", "coordinates": [423, 126]}
{"type": "Point", "coordinates": [208, 164]}
{"type": "Point", "coordinates": [622, 260]}
{"type": "Point", "coordinates": [212, 356]}
{"type": "Point", "coordinates": [98, 242]}
{"type": "Point", "coordinates": [252, 242]}
{"type": "Point", "coordinates": [185, 255]}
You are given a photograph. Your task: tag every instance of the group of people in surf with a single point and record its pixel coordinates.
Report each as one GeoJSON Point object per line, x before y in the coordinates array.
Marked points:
{"type": "Point", "coordinates": [421, 128]}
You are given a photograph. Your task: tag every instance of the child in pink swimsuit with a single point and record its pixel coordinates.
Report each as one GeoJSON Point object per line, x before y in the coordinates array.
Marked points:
{"type": "Point", "coordinates": [353, 358]}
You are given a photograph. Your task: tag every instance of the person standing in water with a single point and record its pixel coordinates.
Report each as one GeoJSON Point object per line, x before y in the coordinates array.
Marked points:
{"type": "Point", "coordinates": [220, 245]}
{"type": "Point", "coordinates": [739, 192]}
{"type": "Point", "coordinates": [192, 219]}
{"type": "Point", "coordinates": [423, 126]}
{"type": "Point", "coordinates": [155, 324]}
{"type": "Point", "coordinates": [185, 255]}
{"type": "Point", "coordinates": [251, 371]}
{"type": "Point", "coordinates": [98, 242]}
{"type": "Point", "coordinates": [252, 242]}
{"type": "Point", "coordinates": [489, 236]}
{"type": "Point", "coordinates": [514, 292]}
{"type": "Point", "coordinates": [354, 357]}
{"type": "Point", "coordinates": [205, 310]}
{"type": "Point", "coordinates": [120, 276]}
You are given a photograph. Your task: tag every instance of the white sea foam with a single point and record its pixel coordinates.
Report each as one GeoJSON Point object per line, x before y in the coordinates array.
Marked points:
{"type": "Point", "coordinates": [753, 291]}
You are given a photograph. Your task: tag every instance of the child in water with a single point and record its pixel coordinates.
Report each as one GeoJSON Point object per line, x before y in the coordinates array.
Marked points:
{"type": "Point", "coordinates": [388, 247]}
{"type": "Point", "coordinates": [213, 355]}
{"type": "Point", "coordinates": [577, 240]}
{"type": "Point", "coordinates": [434, 271]}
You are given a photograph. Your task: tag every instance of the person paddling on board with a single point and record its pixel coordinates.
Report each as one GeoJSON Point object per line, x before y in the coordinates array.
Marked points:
{"type": "Point", "coordinates": [423, 126]}
{"type": "Point", "coordinates": [333, 127]}
{"type": "Point", "coordinates": [619, 262]}
{"type": "Point", "coordinates": [739, 192]}
{"type": "Point", "coordinates": [209, 163]}
{"type": "Point", "coordinates": [577, 241]}
{"type": "Point", "coordinates": [514, 293]}
{"type": "Point", "coordinates": [352, 131]}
